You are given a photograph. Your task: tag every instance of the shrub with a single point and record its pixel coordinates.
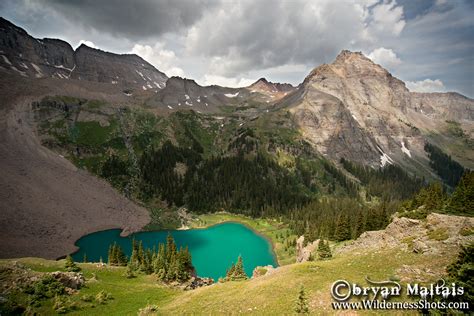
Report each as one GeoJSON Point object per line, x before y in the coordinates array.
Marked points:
{"type": "Point", "coordinates": [466, 231]}
{"type": "Point", "coordinates": [102, 297]}
{"type": "Point", "coordinates": [87, 298]}
{"type": "Point", "coordinates": [47, 287]}
{"type": "Point", "coordinates": [438, 234]}
{"type": "Point", "coordinates": [60, 305]}
{"type": "Point", "coordinates": [148, 310]}
{"type": "Point", "coordinates": [70, 265]}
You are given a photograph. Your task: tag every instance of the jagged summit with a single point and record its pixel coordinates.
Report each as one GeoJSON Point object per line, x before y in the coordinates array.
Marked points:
{"type": "Point", "coordinates": [273, 90]}
{"type": "Point", "coordinates": [26, 56]}
{"type": "Point", "coordinates": [346, 54]}
{"type": "Point", "coordinates": [276, 86]}
{"type": "Point", "coordinates": [349, 64]}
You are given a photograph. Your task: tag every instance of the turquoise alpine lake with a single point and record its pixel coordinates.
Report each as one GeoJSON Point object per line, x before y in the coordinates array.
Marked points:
{"type": "Point", "coordinates": [213, 249]}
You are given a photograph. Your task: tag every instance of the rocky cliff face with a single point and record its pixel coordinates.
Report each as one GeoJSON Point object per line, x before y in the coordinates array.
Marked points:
{"type": "Point", "coordinates": [354, 108]}
{"type": "Point", "coordinates": [23, 55]}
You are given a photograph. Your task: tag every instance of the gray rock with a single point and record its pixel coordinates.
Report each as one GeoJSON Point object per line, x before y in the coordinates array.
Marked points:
{"type": "Point", "coordinates": [72, 280]}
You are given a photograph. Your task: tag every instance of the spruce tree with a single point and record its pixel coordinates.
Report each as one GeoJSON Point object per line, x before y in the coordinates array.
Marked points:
{"type": "Point", "coordinates": [129, 272]}
{"type": "Point", "coordinates": [324, 251]}
{"type": "Point", "coordinates": [239, 272]}
{"type": "Point", "coordinates": [360, 225]}
{"type": "Point", "coordinates": [230, 273]}
{"type": "Point", "coordinates": [134, 259]}
{"type": "Point", "coordinates": [236, 271]}
{"type": "Point", "coordinates": [70, 265]}
{"type": "Point", "coordinates": [301, 306]}
{"type": "Point", "coordinates": [111, 255]}
{"type": "Point", "coordinates": [120, 256]}
{"type": "Point", "coordinates": [462, 199]}
{"type": "Point", "coordinates": [343, 229]}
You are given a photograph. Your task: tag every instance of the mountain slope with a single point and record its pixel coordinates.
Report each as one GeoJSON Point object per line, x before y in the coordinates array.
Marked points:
{"type": "Point", "coordinates": [357, 110]}
{"type": "Point", "coordinates": [46, 202]}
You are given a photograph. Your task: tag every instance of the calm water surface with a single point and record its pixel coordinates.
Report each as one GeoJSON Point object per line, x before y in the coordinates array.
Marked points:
{"type": "Point", "coordinates": [213, 249]}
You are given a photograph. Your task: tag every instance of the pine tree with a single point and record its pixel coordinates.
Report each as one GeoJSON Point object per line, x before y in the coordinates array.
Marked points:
{"type": "Point", "coordinates": [324, 251]}
{"type": "Point", "coordinates": [129, 272]}
{"type": "Point", "coordinates": [301, 306]}
{"type": "Point", "coordinates": [435, 197]}
{"type": "Point", "coordinates": [70, 265]}
{"type": "Point", "coordinates": [120, 256]}
{"type": "Point", "coordinates": [140, 253]}
{"type": "Point", "coordinates": [462, 199]}
{"type": "Point", "coordinates": [230, 273]}
{"type": "Point", "coordinates": [236, 271]}
{"type": "Point", "coordinates": [360, 225]}
{"type": "Point", "coordinates": [239, 272]}
{"type": "Point", "coordinates": [343, 229]}
{"type": "Point", "coordinates": [134, 258]}
{"type": "Point", "coordinates": [112, 259]}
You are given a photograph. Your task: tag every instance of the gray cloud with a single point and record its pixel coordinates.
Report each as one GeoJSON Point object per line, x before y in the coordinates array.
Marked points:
{"type": "Point", "coordinates": [236, 41]}
{"type": "Point", "coordinates": [132, 19]}
{"type": "Point", "coordinates": [241, 36]}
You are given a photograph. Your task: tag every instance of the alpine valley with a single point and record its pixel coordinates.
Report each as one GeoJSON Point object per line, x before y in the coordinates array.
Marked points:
{"type": "Point", "coordinates": [348, 175]}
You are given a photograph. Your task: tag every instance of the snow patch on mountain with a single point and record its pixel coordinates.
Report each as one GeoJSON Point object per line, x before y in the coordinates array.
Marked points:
{"type": "Point", "coordinates": [405, 150]}
{"type": "Point", "coordinates": [5, 59]}
{"type": "Point", "coordinates": [230, 95]}
{"type": "Point", "coordinates": [384, 158]}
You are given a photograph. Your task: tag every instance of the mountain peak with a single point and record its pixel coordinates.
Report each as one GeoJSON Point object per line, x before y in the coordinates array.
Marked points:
{"type": "Point", "coordinates": [347, 55]}
{"type": "Point", "coordinates": [348, 64]}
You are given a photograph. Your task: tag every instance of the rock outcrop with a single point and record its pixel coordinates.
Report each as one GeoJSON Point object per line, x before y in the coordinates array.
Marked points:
{"type": "Point", "coordinates": [303, 253]}
{"type": "Point", "coordinates": [434, 235]}
{"type": "Point", "coordinates": [72, 280]}
{"type": "Point", "coordinates": [196, 282]}
{"type": "Point", "coordinates": [261, 271]}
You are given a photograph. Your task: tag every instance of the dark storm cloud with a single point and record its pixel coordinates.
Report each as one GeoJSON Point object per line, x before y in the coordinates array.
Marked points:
{"type": "Point", "coordinates": [131, 19]}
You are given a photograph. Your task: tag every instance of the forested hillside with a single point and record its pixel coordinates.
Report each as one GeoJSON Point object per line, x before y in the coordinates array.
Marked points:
{"type": "Point", "coordinates": [207, 163]}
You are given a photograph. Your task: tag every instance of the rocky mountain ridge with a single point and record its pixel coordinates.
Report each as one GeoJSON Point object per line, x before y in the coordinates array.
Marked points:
{"type": "Point", "coordinates": [355, 109]}
{"type": "Point", "coordinates": [23, 55]}
{"type": "Point", "coordinates": [351, 108]}
{"type": "Point", "coordinates": [272, 89]}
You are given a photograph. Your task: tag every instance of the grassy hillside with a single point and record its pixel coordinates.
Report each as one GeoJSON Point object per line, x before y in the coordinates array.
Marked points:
{"type": "Point", "coordinates": [268, 295]}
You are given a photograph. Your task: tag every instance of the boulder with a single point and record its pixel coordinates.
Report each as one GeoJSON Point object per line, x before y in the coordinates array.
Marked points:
{"type": "Point", "coordinates": [72, 280]}
{"type": "Point", "coordinates": [196, 282]}
{"type": "Point", "coordinates": [262, 270]}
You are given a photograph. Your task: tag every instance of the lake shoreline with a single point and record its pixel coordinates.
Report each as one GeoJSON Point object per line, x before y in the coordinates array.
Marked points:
{"type": "Point", "coordinates": [235, 218]}
{"type": "Point", "coordinates": [225, 240]}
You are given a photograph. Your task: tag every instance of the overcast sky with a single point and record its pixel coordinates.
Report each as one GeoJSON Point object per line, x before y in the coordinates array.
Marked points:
{"type": "Point", "coordinates": [427, 43]}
